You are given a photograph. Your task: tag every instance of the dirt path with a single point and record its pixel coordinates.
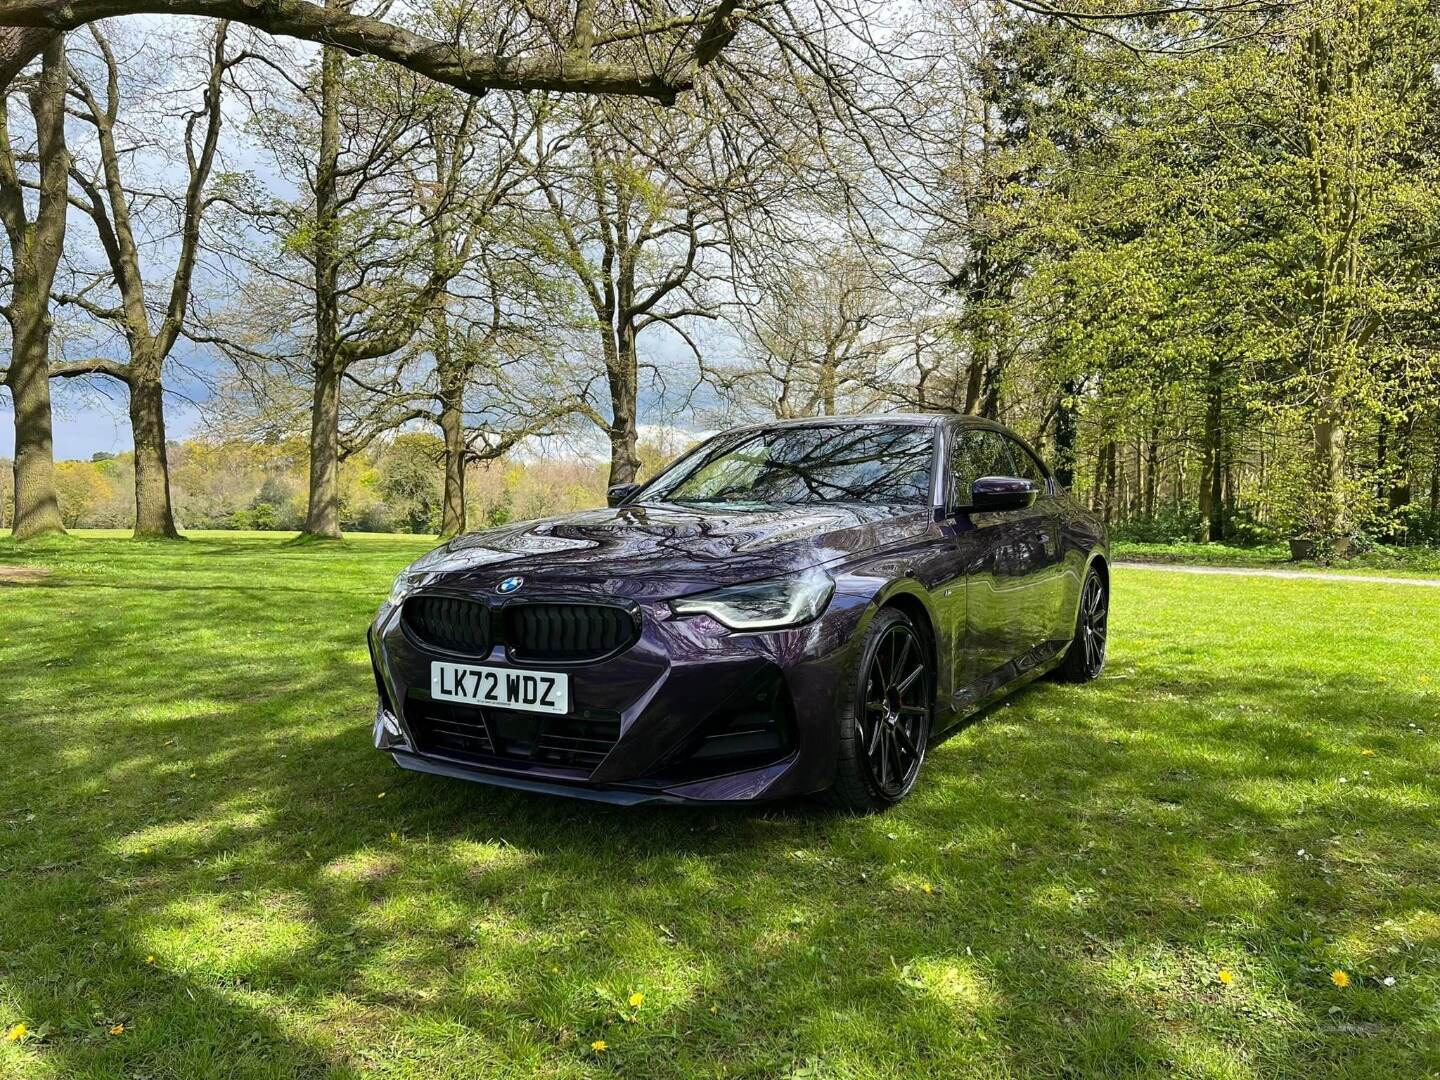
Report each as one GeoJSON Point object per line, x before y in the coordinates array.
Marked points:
{"type": "Point", "coordinates": [22, 575]}
{"type": "Point", "coordinates": [1304, 575]}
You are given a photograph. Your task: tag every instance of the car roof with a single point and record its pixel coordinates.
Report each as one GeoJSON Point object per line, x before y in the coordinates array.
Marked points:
{"type": "Point", "coordinates": [902, 418]}
{"type": "Point", "coordinates": [905, 419]}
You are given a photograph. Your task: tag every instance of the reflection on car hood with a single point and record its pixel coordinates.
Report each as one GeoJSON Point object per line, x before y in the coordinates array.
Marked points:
{"type": "Point", "coordinates": [662, 549]}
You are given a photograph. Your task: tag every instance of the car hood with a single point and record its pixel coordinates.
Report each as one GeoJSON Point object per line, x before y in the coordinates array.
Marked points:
{"type": "Point", "coordinates": [658, 550]}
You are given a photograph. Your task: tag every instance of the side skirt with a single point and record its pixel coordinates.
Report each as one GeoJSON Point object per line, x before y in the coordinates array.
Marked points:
{"type": "Point", "coordinates": [1002, 682]}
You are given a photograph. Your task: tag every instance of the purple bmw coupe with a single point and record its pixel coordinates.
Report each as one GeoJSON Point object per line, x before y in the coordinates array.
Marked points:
{"type": "Point", "coordinates": [790, 608]}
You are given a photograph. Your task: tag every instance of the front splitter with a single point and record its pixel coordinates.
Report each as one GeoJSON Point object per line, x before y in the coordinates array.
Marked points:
{"type": "Point", "coordinates": [614, 796]}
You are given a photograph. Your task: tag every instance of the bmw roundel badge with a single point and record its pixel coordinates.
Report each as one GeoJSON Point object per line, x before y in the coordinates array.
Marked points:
{"type": "Point", "coordinates": [510, 584]}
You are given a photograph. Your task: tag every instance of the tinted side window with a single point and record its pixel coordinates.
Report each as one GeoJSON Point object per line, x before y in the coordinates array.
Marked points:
{"type": "Point", "coordinates": [1026, 467]}
{"type": "Point", "coordinates": [976, 452]}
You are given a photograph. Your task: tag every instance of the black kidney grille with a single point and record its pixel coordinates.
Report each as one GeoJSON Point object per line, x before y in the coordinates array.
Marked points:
{"type": "Point", "coordinates": [450, 623]}
{"type": "Point", "coordinates": [568, 631]}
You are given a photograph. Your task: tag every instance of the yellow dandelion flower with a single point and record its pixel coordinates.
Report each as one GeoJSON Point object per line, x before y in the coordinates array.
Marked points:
{"type": "Point", "coordinates": [150, 959]}
{"type": "Point", "coordinates": [118, 1029]}
{"type": "Point", "coordinates": [637, 999]}
{"type": "Point", "coordinates": [927, 889]}
{"type": "Point", "coordinates": [1339, 978]}
{"type": "Point", "coordinates": [1367, 753]}
{"type": "Point", "coordinates": [1226, 976]}
{"type": "Point", "coordinates": [16, 1033]}
{"type": "Point", "coordinates": [599, 1045]}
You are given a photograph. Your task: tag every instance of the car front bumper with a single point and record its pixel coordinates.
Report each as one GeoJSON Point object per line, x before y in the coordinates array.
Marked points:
{"type": "Point", "coordinates": [685, 696]}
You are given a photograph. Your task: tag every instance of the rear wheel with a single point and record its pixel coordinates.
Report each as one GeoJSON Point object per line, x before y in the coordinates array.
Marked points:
{"type": "Point", "coordinates": [884, 729]}
{"type": "Point", "coordinates": [1085, 658]}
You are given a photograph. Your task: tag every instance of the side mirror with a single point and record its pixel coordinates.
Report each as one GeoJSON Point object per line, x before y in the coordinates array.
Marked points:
{"type": "Point", "coordinates": [993, 493]}
{"type": "Point", "coordinates": [620, 494]}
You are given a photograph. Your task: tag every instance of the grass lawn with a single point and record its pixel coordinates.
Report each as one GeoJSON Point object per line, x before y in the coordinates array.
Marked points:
{"type": "Point", "coordinates": [1399, 561]}
{"type": "Point", "coordinates": [205, 871]}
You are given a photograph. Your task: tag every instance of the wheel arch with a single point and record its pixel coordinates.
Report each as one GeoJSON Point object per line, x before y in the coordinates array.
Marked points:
{"type": "Point", "coordinates": [919, 613]}
{"type": "Point", "coordinates": [908, 596]}
{"type": "Point", "coordinates": [1099, 561]}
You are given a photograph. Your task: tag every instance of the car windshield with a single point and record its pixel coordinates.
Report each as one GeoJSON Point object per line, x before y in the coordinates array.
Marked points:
{"type": "Point", "coordinates": [883, 464]}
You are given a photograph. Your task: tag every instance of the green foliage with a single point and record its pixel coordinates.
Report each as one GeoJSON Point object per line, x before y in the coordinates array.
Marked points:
{"type": "Point", "coordinates": [410, 481]}
{"type": "Point", "coordinates": [1231, 248]}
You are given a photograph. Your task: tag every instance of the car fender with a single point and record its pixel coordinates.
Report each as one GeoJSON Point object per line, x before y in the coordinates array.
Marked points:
{"type": "Point", "coordinates": [886, 593]}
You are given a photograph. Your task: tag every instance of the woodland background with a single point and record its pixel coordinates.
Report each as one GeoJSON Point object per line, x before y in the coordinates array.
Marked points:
{"type": "Point", "coordinates": [1192, 255]}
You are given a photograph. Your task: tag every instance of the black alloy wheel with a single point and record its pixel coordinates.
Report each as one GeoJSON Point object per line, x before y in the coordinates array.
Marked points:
{"type": "Point", "coordinates": [889, 726]}
{"type": "Point", "coordinates": [1086, 657]}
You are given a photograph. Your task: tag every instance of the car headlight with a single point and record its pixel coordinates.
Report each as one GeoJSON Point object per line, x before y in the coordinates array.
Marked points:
{"type": "Point", "coordinates": [406, 582]}
{"type": "Point", "coordinates": [767, 605]}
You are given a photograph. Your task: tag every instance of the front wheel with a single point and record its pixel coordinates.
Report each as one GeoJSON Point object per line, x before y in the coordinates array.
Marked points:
{"type": "Point", "coordinates": [1085, 658]}
{"type": "Point", "coordinates": [884, 729]}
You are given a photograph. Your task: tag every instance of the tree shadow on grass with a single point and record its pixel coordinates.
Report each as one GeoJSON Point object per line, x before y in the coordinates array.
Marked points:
{"type": "Point", "coordinates": [1093, 856]}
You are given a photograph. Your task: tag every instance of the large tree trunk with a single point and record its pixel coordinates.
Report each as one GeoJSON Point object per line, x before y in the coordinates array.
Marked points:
{"type": "Point", "coordinates": [990, 394]}
{"type": "Point", "coordinates": [973, 382]}
{"type": "Point", "coordinates": [1212, 503]}
{"type": "Point", "coordinates": [1097, 488]}
{"type": "Point", "coordinates": [452, 376]}
{"type": "Point", "coordinates": [37, 507]}
{"type": "Point", "coordinates": [1065, 425]}
{"type": "Point", "coordinates": [36, 251]}
{"type": "Point", "coordinates": [452, 426]}
{"type": "Point", "coordinates": [1330, 465]}
{"type": "Point", "coordinates": [828, 385]}
{"type": "Point", "coordinates": [1152, 471]}
{"type": "Point", "coordinates": [1435, 469]}
{"type": "Point", "coordinates": [624, 379]}
{"type": "Point", "coordinates": [1401, 491]}
{"type": "Point", "coordinates": [154, 516]}
{"type": "Point", "coordinates": [1108, 506]}
{"type": "Point", "coordinates": [1435, 482]}
{"type": "Point", "coordinates": [322, 517]}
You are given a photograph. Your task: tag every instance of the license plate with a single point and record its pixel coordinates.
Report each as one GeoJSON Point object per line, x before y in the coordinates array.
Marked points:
{"type": "Point", "coordinates": [507, 688]}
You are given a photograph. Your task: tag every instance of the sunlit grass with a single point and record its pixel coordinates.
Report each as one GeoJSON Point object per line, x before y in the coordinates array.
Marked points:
{"type": "Point", "coordinates": [1382, 558]}
{"type": "Point", "coordinates": [193, 844]}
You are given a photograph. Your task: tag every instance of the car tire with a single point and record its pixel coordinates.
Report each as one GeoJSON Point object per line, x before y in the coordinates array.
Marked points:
{"type": "Point", "coordinates": [1085, 658]}
{"type": "Point", "coordinates": [886, 721]}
